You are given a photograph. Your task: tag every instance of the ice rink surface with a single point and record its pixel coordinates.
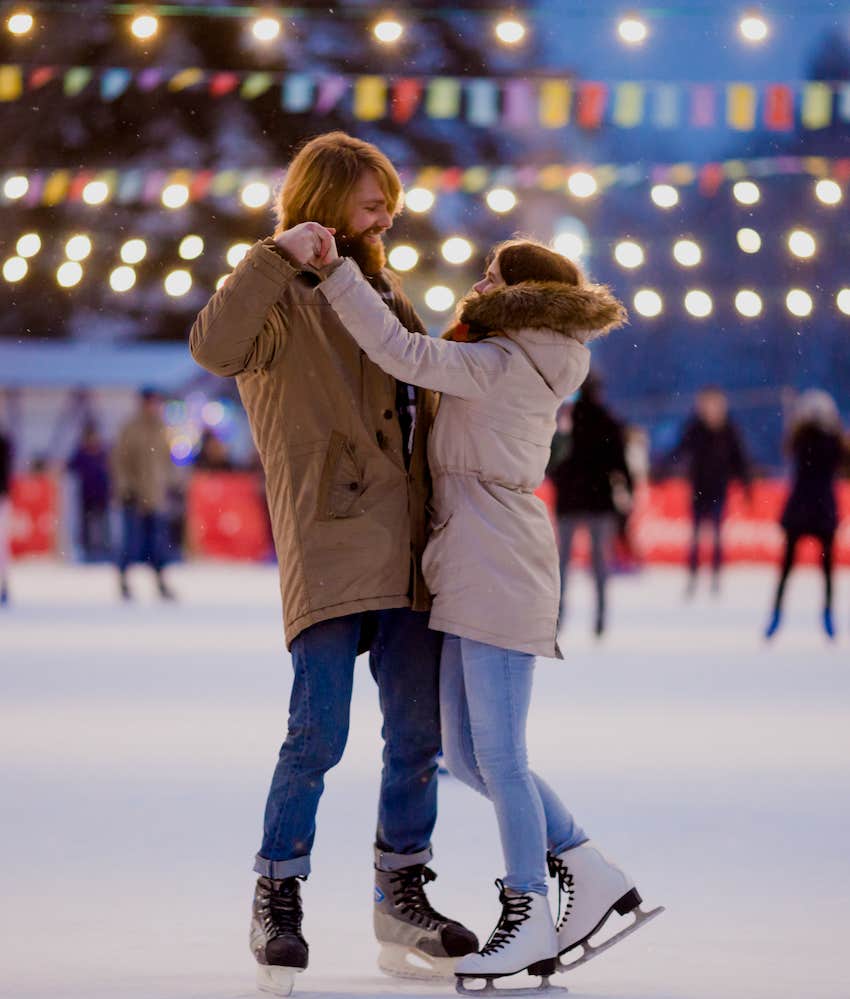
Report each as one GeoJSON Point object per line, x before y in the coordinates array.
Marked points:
{"type": "Point", "coordinates": [137, 742]}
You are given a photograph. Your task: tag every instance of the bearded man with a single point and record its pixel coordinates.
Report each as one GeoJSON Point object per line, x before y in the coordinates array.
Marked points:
{"type": "Point", "coordinates": [343, 448]}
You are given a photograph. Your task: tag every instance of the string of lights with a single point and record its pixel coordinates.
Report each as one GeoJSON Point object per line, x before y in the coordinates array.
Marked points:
{"type": "Point", "coordinates": [456, 250]}
{"type": "Point", "coordinates": [267, 25]}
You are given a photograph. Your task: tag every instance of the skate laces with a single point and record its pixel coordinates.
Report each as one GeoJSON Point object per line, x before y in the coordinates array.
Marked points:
{"type": "Point", "coordinates": [558, 869]}
{"type": "Point", "coordinates": [515, 910]}
{"type": "Point", "coordinates": [282, 906]}
{"type": "Point", "coordinates": [409, 895]}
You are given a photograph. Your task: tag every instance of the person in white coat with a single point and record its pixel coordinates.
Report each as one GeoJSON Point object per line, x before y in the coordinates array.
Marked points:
{"type": "Point", "coordinates": [491, 562]}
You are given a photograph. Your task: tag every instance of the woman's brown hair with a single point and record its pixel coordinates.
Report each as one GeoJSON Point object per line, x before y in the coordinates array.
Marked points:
{"type": "Point", "coordinates": [320, 179]}
{"type": "Point", "coordinates": [527, 260]}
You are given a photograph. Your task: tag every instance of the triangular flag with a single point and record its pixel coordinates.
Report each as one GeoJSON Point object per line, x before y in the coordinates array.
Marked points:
{"type": "Point", "coordinates": [628, 105]}
{"type": "Point", "coordinates": [331, 92]}
{"type": "Point", "coordinates": [779, 107]}
{"type": "Point", "coordinates": [741, 106]}
{"type": "Point", "coordinates": [254, 85]}
{"type": "Point", "coordinates": [703, 106]}
{"type": "Point", "coordinates": [817, 105]}
{"type": "Point", "coordinates": [114, 82]}
{"type": "Point", "coordinates": [555, 98]}
{"type": "Point", "coordinates": [370, 98]}
{"type": "Point", "coordinates": [443, 98]}
{"type": "Point", "coordinates": [519, 103]}
{"type": "Point", "coordinates": [592, 99]}
{"type": "Point", "coordinates": [482, 102]}
{"type": "Point", "coordinates": [76, 80]}
{"type": "Point", "coordinates": [223, 83]}
{"type": "Point", "coordinates": [186, 78]}
{"type": "Point", "coordinates": [406, 97]}
{"type": "Point", "coordinates": [11, 83]}
{"type": "Point", "coordinates": [297, 93]}
{"type": "Point", "coordinates": [666, 105]}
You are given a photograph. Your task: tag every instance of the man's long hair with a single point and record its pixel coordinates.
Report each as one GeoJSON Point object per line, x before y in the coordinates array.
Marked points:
{"type": "Point", "coordinates": [319, 181]}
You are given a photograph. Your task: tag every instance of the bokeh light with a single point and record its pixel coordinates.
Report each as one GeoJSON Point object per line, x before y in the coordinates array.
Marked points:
{"type": "Point", "coordinates": [403, 258]}
{"type": "Point", "coordinates": [501, 200]}
{"type": "Point", "coordinates": [16, 187]}
{"type": "Point", "coordinates": [828, 192]}
{"type": "Point", "coordinates": [842, 300]}
{"type": "Point", "coordinates": [236, 253]}
{"type": "Point", "coordinates": [749, 240]}
{"type": "Point", "coordinates": [78, 247]}
{"type": "Point", "coordinates": [69, 274]}
{"type": "Point", "coordinates": [687, 253]}
{"type": "Point", "coordinates": [178, 283]}
{"type": "Point", "coordinates": [753, 28]}
{"type": "Point", "coordinates": [28, 245]}
{"type": "Point", "coordinates": [15, 269]}
{"type": "Point", "coordinates": [629, 254]}
{"type": "Point", "coordinates": [569, 245]}
{"type": "Point", "coordinates": [799, 303]}
{"type": "Point", "coordinates": [699, 303]}
{"type": "Point", "coordinates": [664, 195]}
{"type": "Point", "coordinates": [648, 303]}
{"type": "Point", "coordinates": [510, 31]}
{"type": "Point", "coordinates": [134, 251]}
{"type": "Point", "coordinates": [745, 192]}
{"type": "Point", "coordinates": [256, 194]}
{"type": "Point", "coordinates": [144, 26]}
{"type": "Point", "coordinates": [175, 195]}
{"type": "Point", "coordinates": [266, 29]}
{"type": "Point", "coordinates": [582, 184]}
{"type": "Point", "coordinates": [632, 30]}
{"type": "Point", "coordinates": [802, 244]}
{"type": "Point", "coordinates": [439, 298]}
{"type": "Point", "coordinates": [456, 250]}
{"type": "Point", "coordinates": [122, 278]}
{"type": "Point", "coordinates": [748, 303]}
{"type": "Point", "coordinates": [419, 200]}
{"type": "Point", "coordinates": [95, 192]}
{"type": "Point", "coordinates": [20, 23]}
{"type": "Point", "coordinates": [191, 247]}
{"type": "Point", "coordinates": [388, 31]}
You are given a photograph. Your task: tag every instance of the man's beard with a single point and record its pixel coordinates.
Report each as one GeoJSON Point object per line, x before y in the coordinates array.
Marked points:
{"type": "Point", "coordinates": [370, 257]}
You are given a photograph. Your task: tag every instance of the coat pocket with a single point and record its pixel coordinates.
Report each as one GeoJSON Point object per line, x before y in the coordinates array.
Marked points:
{"type": "Point", "coordinates": [341, 483]}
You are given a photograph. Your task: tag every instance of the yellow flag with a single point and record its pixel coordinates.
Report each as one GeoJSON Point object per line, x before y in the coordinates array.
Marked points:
{"type": "Point", "coordinates": [370, 98]}
{"type": "Point", "coordinates": [817, 105]}
{"type": "Point", "coordinates": [555, 99]}
{"type": "Point", "coordinates": [628, 105]}
{"type": "Point", "coordinates": [56, 187]}
{"type": "Point", "coordinates": [11, 83]}
{"type": "Point", "coordinates": [741, 106]}
{"type": "Point", "coordinates": [185, 78]}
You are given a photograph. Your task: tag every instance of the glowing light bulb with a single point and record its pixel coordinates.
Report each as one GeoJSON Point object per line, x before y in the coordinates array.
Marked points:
{"type": "Point", "coordinates": [749, 240]}
{"type": "Point", "coordinates": [501, 200]}
{"type": "Point", "coordinates": [95, 192]}
{"type": "Point", "coordinates": [510, 31]}
{"type": "Point", "coordinates": [802, 244]}
{"type": "Point", "coordinates": [632, 30]}
{"type": "Point", "coordinates": [403, 258]}
{"type": "Point", "coordinates": [687, 253]}
{"type": "Point", "coordinates": [629, 254]}
{"type": "Point", "coordinates": [144, 26]}
{"type": "Point", "coordinates": [78, 247]}
{"type": "Point", "coordinates": [419, 200]}
{"type": "Point", "coordinates": [439, 298]}
{"type": "Point", "coordinates": [457, 250]}
{"type": "Point", "coordinates": [648, 303]}
{"type": "Point", "coordinates": [20, 23]}
{"type": "Point", "coordinates": [16, 187]}
{"type": "Point", "coordinates": [746, 192]}
{"type": "Point", "coordinates": [799, 303]}
{"type": "Point", "coordinates": [265, 29]}
{"type": "Point", "coordinates": [15, 269]}
{"type": "Point", "coordinates": [664, 195]}
{"type": "Point", "coordinates": [191, 247]}
{"type": "Point", "coordinates": [237, 252]}
{"type": "Point", "coordinates": [69, 274]}
{"type": "Point", "coordinates": [134, 251]}
{"type": "Point", "coordinates": [28, 245]}
{"type": "Point", "coordinates": [569, 245]}
{"type": "Point", "coordinates": [256, 194]}
{"type": "Point", "coordinates": [175, 195]}
{"type": "Point", "coordinates": [388, 31]}
{"type": "Point", "coordinates": [699, 304]}
{"type": "Point", "coordinates": [748, 303]}
{"type": "Point", "coordinates": [122, 278]}
{"type": "Point", "coordinates": [828, 192]}
{"type": "Point", "coordinates": [178, 283]}
{"type": "Point", "coordinates": [842, 300]}
{"type": "Point", "coordinates": [753, 28]}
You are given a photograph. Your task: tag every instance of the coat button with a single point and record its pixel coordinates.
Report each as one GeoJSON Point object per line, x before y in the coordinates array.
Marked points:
{"type": "Point", "coordinates": [354, 486]}
{"type": "Point", "coordinates": [388, 414]}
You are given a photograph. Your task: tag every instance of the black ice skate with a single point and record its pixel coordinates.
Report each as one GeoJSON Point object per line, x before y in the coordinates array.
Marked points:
{"type": "Point", "coordinates": [416, 940]}
{"type": "Point", "coordinates": [276, 941]}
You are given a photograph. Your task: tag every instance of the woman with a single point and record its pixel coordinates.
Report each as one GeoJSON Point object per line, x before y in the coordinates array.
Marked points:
{"type": "Point", "coordinates": [816, 448]}
{"type": "Point", "coordinates": [491, 563]}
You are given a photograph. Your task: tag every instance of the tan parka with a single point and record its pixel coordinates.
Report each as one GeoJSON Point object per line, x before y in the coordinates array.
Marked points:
{"type": "Point", "coordinates": [142, 469]}
{"type": "Point", "coordinates": [348, 518]}
{"type": "Point", "coordinates": [491, 562]}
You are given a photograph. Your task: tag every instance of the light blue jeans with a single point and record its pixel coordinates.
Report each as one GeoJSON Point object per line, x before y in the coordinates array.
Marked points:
{"type": "Point", "coordinates": [485, 693]}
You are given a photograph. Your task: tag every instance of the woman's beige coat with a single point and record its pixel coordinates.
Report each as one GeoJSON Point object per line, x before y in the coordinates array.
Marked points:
{"type": "Point", "coordinates": [491, 561]}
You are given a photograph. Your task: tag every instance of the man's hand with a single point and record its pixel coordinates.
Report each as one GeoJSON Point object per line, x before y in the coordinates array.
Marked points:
{"type": "Point", "coordinates": [311, 244]}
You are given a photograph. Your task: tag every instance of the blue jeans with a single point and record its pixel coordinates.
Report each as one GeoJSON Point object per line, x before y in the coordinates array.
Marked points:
{"type": "Point", "coordinates": [144, 538]}
{"type": "Point", "coordinates": [602, 528]}
{"type": "Point", "coordinates": [484, 697]}
{"type": "Point", "coordinates": [405, 662]}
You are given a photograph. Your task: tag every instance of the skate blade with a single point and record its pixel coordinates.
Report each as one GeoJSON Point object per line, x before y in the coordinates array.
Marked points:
{"type": "Point", "coordinates": [489, 989]}
{"type": "Point", "coordinates": [277, 980]}
{"type": "Point", "coordinates": [589, 950]}
{"type": "Point", "coordinates": [399, 961]}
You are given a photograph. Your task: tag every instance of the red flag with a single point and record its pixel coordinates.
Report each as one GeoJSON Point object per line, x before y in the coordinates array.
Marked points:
{"type": "Point", "coordinates": [779, 107]}
{"type": "Point", "coordinates": [710, 179]}
{"type": "Point", "coordinates": [40, 76]}
{"type": "Point", "coordinates": [406, 96]}
{"type": "Point", "coordinates": [223, 83]}
{"type": "Point", "coordinates": [451, 179]}
{"type": "Point", "coordinates": [592, 98]}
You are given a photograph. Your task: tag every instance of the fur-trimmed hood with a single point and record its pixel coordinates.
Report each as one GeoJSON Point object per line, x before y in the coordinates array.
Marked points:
{"type": "Point", "coordinates": [582, 312]}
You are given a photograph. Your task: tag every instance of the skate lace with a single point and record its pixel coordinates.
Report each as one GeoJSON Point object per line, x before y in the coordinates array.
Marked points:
{"type": "Point", "coordinates": [409, 895]}
{"type": "Point", "coordinates": [558, 869]}
{"type": "Point", "coordinates": [515, 910]}
{"type": "Point", "coordinates": [281, 908]}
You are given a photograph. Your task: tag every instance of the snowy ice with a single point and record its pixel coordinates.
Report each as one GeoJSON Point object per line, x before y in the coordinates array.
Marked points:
{"type": "Point", "coordinates": [137, 742]}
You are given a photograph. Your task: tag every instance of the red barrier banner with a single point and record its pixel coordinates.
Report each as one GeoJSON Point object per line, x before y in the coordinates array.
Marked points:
{"type": "Point", "coordinates": [35, 514]}
{"type": "Point", "coordinates": [226, 516]}
{"type": "Point", "coordinates": [660, 525]}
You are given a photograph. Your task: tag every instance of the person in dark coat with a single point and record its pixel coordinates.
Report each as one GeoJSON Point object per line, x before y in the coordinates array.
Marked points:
{"type": "Point", "coordinates": [816, 448]}
{"type": "Point", "coordinates": [89, 464]}
{"type": "Point", "coordinates": [713, 454]}
{"type": "Point", "coordinates": [5, 515]}
{"type": "Point", "coordinates": [588, 463]}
